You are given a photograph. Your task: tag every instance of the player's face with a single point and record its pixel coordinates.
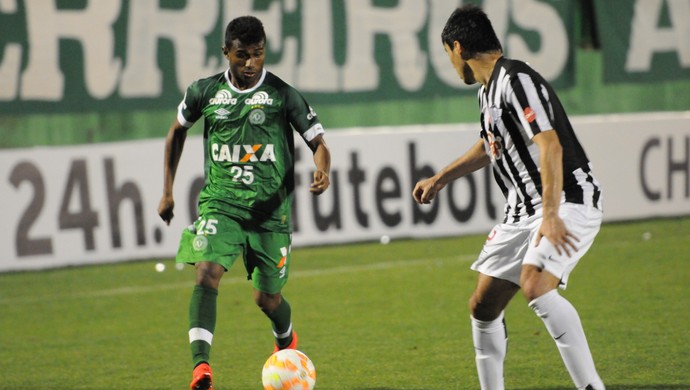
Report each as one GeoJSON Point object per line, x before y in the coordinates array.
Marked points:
{"type": "Point", "coordinates": [246, 63]}
{"type": "Point", "coordinates": [460, 65]}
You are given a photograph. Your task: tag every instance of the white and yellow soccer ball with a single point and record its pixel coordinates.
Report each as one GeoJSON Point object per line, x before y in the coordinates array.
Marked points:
{"type": "Point", "coordinates": [288, 369]}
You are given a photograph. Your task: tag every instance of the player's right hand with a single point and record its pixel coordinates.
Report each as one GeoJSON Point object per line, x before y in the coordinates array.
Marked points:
{"type": "Point", "coordinates": [165, 209]}
{"type": "Point", "coordinates": [320, 183]}
{"type": "Point", "coordinates": [425, 190]}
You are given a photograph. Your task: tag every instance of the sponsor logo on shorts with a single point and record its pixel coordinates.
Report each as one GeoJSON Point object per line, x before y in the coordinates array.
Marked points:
{"type": "Point", "coordinates": [283, 261]}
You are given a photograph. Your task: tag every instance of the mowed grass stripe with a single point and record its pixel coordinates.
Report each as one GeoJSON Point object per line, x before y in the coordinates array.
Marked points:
{"type": "Point", "coordinates": [149, 288]}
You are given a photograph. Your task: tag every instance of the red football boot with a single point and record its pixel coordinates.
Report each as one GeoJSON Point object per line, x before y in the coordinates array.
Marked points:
{"type": "Point", "coordinates": [201, 378]}
{"type": "Point", "coordinates": [293, 343]}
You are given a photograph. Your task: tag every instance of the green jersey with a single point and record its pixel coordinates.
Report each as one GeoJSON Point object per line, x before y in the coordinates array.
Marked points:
{"type": "Point", "coordinates": [249, 146]}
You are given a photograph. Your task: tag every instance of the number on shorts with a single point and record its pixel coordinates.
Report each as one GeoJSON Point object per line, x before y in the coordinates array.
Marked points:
{"type": "Point", "coordinates": [207, 226]}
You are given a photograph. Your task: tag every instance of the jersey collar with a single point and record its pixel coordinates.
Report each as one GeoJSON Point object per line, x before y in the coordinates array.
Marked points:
{"type": "Point", "coordinates": [232, 87]}
{"type": "Point", "coordinates": [496, 71]}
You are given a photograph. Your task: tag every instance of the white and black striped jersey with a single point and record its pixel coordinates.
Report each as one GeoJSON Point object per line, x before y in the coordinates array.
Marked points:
{"type": "Point", "coordinates": [516, 104]}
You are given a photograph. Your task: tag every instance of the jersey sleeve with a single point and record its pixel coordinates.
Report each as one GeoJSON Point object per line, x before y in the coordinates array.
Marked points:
{"type": "Point", "coordinates": [189, 109]}
{"type": "Point", "coordinates": [301, 116]}
{"type": "Point", "coordinates": [530, 101]}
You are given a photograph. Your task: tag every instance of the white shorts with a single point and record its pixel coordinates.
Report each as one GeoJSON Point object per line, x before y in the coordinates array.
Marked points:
{"type": "Point", "coordinates": [509, 246]}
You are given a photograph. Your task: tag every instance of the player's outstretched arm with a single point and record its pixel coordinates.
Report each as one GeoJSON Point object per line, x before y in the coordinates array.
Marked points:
{"type": "Point", "coordinates": [475, 158]}
{"type": "Point", "coordinates": [322, 161]}
{"type": "Point", "coordinates": [174, 143]}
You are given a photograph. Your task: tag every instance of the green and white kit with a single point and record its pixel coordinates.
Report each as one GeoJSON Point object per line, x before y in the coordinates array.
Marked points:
{"type": "Point", "coordinates": [249, 169]}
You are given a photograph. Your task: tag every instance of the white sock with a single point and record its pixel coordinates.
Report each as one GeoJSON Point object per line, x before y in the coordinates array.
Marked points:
{"type": "Point", "coordinates": [490, 344]}
{"type": "Point", "coordinates": [563, 323]}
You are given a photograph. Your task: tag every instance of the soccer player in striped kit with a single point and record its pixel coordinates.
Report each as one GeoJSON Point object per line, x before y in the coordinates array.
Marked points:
{"type": "Point", "coordinates": [553, 205]}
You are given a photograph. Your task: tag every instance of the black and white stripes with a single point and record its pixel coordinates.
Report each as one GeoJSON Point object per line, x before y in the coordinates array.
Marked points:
{"type": "Point", "coordinates": [516, 105]}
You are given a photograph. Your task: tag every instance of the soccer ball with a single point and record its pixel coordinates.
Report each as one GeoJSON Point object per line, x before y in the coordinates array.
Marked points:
{"type": "Point", "coordinates": [288, 369]}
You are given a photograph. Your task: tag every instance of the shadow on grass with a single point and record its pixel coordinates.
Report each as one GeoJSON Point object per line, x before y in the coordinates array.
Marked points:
{"type": "Point", "coordinates": [620, 387]}
{"type": "Point", "coordinates": [608, 387]}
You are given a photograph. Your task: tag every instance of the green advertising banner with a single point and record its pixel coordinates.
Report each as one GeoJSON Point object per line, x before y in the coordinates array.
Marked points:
{"type": "Point", "coordinates": [644, 40]}
{"type": "Point", "coordinates": [92, 55]}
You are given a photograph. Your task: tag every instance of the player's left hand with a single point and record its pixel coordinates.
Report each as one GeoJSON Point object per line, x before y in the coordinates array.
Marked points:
{"type": "Point", "coordinates": [555, 231]}
{"type": "Point", "coordinates": [321, 182]}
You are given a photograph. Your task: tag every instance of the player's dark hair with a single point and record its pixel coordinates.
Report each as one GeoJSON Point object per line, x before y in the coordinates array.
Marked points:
{"type": "Point", "coordinates": [247, 29]}
{"type": "Point", "coordinates": [470, 26]}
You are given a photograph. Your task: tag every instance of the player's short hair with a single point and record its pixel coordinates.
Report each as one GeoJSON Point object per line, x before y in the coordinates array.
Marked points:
{"type": "Point", "coordinates": [247, 29]}
{"type": "Point", "coordinates": [471, 27]}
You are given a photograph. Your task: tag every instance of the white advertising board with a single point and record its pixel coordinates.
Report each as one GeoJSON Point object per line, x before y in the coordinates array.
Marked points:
{"type": "Point", "coordinates": [91, 204]}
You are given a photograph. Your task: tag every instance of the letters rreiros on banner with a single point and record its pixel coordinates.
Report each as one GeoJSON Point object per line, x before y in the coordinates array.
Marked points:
{"type": "Point", "coordinates": [327, 51]}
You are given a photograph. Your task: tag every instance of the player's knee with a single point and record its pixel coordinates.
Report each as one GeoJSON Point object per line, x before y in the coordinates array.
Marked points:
{"type": "Point", "coordinates": [531, 292]}
{"type": "Point", "coordinates": [536, 282]}
{"type": "Point", "coordinates": [208, 274]}
{"type": "Point", "coordinates": [267, 302]}
{"type": "Point", "coordinates": [483, 310]}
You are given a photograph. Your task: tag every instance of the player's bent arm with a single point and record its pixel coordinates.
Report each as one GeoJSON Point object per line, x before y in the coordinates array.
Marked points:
{"type": "Point", "coordinates": [322, 161]}
{"type": "Point", "coordinates": [551, 169]}
{"type": "Point", "coordinates": [551, 164]}
{"type": "Point", "coordinates": [475, 158]}
{"type": "Point", "coordinates": [174, 144]}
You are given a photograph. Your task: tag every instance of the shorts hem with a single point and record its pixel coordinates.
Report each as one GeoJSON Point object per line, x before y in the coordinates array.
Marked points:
{"type": "Point", "coordinates": [497, 275]}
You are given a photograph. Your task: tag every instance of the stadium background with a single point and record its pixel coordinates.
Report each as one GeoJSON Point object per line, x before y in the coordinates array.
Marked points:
{"type": "Point", "coordinates": [107, 75]}
{"type": "Point", "coordinates": [592, 81]}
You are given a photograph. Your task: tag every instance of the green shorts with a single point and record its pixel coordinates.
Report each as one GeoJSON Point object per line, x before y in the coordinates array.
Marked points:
{"type": "Point", "coordinates": [221, 240]}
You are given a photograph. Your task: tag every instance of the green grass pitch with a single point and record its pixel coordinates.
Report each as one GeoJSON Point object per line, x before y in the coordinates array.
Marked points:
{"type": "Point", "coordinates": [371, 317]}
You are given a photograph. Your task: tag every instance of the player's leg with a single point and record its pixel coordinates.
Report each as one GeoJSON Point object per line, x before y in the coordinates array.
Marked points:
{"type": "Point", "coordinates": [543, 271]}
{"type": "Point", "coordinates": [268, 263]}
{"type": "Point", "coordinates": [278, 310]}
{"type": "Point", "coordinates": [489, 333]}
{"type": "Point", "coordinates": [202, 321]}
{"type": "Point", "coordinates": [202, 310]}
{"type": "Point", "coordinates": [499, 267]}
{"type": "Point", "coordinates": [211, 244]}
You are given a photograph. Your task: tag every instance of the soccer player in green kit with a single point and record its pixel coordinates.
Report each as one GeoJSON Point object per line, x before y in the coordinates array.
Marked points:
{"type": "Point", "coordinates": [245, 205]}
